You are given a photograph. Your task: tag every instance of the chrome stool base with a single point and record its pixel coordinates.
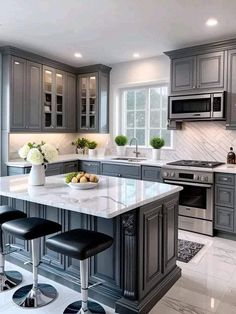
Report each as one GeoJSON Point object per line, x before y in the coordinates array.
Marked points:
{"type": "Point", "coordinates": [9, 280]}
{"type": "Point", "coordinates": [32, 298]}
{"type": "Point", "coordinates": [93, 308]}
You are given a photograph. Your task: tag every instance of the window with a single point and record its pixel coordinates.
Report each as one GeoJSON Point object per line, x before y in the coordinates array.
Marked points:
{"type": "Point", "coordinates": [145, 114]}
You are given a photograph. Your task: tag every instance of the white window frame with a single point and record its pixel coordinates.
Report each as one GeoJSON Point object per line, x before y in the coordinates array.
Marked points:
{"type": "Point", "coordinates": [123, 115]}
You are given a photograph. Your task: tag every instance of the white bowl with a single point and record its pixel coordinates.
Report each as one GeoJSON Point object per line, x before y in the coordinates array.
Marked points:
{"type": "Point", "coordinates": [82, 186]}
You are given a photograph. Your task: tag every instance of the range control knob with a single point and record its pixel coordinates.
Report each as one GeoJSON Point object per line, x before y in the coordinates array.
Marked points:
{"type": "Point", "coordinates": [203, 178]}
{"type": "Point", "coordinates": [196, 177]}
{"type": "Point", "coordinates": [206, 179]}
{"type": "Point", "coordinates": [165, 174]}
{"type": "Point", "coordinates": [172, 174]}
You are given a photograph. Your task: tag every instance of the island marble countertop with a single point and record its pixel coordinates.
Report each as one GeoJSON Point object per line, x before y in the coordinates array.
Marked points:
{"type": "Point", "coordinates": [112, 196]}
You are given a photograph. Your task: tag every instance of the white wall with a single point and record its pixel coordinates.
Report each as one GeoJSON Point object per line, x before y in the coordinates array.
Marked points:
{"type": "Point", "coordinates": [197, 140]}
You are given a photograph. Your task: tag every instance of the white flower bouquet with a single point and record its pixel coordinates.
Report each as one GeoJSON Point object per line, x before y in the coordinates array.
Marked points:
{"type": "Point", "coordinates": [38, 154]}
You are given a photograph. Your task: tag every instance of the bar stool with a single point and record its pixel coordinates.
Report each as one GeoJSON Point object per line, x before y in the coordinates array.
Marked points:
{"type": "Point", "coordinates": [81, 244]}
{"type": "Point", "coordinates": [8, 279]}
{"type": "Point", "coordinates": [37, 294]}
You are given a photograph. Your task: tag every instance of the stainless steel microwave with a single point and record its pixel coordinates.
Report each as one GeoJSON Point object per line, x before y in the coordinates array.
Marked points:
{"type": "Point", "coordinates": [197, 107]}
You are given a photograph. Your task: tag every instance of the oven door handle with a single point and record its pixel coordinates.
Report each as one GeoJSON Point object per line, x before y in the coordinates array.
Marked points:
{"type": "Point", "coordinates": [188, 183]}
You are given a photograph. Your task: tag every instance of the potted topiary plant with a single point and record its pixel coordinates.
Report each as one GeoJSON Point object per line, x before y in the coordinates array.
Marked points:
{"type": "Point", "coordinates": [80, 144]}
{"type": "Point", "coordinates": [121, 141]}
{"type": "Point", "coordinates": [157, 143]}
{"type": "Point", "coordinates": [91, 148]}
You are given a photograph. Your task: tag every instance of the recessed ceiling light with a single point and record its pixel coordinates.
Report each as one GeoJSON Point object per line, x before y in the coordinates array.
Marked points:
{"type": "Point", "coordinates": [78, 55]}
{"type": "Point", "coordinates": [136, 55]}
{"type": "Point", "coordinates": [211, 22]}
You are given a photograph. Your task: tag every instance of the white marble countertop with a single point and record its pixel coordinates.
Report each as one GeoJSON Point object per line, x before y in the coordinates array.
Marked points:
{"type": "Point", "coordinates": [112, 196]}
{"type": "Point", "coordinates": [226, 168]}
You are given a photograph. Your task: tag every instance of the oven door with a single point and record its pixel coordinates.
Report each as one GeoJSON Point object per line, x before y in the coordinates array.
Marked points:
{"type": "Point", "coordinates": [195, 200]}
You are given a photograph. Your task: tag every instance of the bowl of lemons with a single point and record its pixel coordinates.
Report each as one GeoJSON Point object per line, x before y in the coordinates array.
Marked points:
{"type": "Point", "coordinates": [81, 180]}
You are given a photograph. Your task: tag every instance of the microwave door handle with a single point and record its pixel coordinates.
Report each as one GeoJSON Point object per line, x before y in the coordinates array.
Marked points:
{"type": "Point", "coordinates": [188, 183]}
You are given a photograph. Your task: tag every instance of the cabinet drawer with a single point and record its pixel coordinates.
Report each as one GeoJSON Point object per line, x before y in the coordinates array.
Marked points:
{"type": "Point", "coordinates": [224, 196]}
{"type": "Point", "coordinates": [151, 173]}
{"type": "Point", "coordinates": [54, 169]}
{"type": "Point", "coordinates": [89, 166]}
{"type": "Point", "coordinates": [126, 171]}
{"type": "Point", "coordinates": [71, 166]}
{"type": "Point", "coordinates": [224, 219]}
{"type": "Point", "coordinates": [224, 178]}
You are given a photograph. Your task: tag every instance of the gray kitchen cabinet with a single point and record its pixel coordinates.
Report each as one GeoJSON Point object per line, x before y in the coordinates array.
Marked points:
{"type": "Point", "coordinates": [12, 171]}
{"type": "Point", "coordinates": [224, 219]}
{"type": "Point", "coordinates": [54, 169]}
{"type": "Point", "coordinates": [93, 99]}
{"type": "Point", "coordinates": [89, 166]}
{"type": "Point", "coordinates": [151, 173]}
{"type": "Point", "coordinates": [33, 96]}
{"type": "Point", "coordinates": [70, 103]}
{"type": "Point", "coordinates": [53, 99]}
{"type": "Point", "coordinates": [225, 190]}
{"type": "Point", "coordinates": [18, 93]}
{"type": "Point", "coordinates": [70, 166]}
{"type": "Point", "coordinates": [183, 74]}
{"type": "Point", "coordinates": [224, 196]}
{"type": "Point", "coordinates": [121, 170]}
{"type": "Point", "coordinates": [231, 91]}
{"type": "Point", "coordinates": [198, 73]}
{"type": "Point", "coordinates": [21, 103]}
{"type": "Point", "coordinates": [210, 70]}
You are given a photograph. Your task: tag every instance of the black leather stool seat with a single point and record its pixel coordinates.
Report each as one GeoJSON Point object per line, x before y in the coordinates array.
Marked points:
{"type": "Point", "coordinates": [31, 228]}
{"type": "Point", "coordinates": [8, 213]}
{"type": "Point", "coordinates": [79, 243]}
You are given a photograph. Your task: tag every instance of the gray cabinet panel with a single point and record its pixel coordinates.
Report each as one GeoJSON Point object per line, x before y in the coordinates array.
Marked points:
{"type": "Point", "coordinates": [18, 93]}
{"type": "Point", "coordinates": [224, 219]}
{"type": "Point", "coordinates": [12, 171]}
{"type": "Point", "coordinates": [183, 76]}
{"type": "Point", "coordinates": [150, 173]}
{"type": "Point", "coordinates": [54, 169]}
{"type": "Point", "coordinates": [70, 102]}
{"type": "Point", "coordinates": [225, 179]}
{"type": "Point", "coordinates": [231, 91]}
{"type": "Point", "coordinates": [89, 166]}
{"type": "Point", "coordinates": [224, 196]}
{"type": "Point", "coordinates": [71, 166]}
{"type": "Point", "coordinates": [151, 259]}
{"type": "Point", "coordinates": [118, 170]}
{"type": "Point", "coordinates": [33, 96]}
{"type": "Point", "coordinates": [210, 70]}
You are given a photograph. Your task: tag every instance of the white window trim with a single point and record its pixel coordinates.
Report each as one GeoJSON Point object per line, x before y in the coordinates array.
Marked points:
{"type": "Point", "coordinates": [122, 117]}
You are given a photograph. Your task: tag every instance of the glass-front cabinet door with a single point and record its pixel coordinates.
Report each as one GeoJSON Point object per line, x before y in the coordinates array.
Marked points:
{"type": "Point", "coordinates": [88, 95]}
{"type": "Point", "coordinates": [53, 94]}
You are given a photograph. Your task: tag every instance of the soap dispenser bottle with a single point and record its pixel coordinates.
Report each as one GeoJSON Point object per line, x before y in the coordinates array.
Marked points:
{"type": "Point", "coordinates": [231, 156]}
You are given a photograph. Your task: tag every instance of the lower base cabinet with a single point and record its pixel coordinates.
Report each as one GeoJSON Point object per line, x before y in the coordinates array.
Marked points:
{"type": "Point", "coordinates": [225, 211]}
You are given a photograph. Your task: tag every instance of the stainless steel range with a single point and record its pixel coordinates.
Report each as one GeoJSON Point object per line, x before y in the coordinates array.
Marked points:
{"type": "Point", "coordinates": [197, 196]}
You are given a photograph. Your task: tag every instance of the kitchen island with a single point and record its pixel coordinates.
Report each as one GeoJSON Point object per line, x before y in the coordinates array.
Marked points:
{"type": "Point", "coordinates": [141, 216]}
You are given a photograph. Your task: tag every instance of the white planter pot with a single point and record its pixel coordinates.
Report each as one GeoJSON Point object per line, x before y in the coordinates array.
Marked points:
{"type": "Point", "coordinates": [156, 154]}
{"type": "Point", "coordinates": [121, 150]}
{"type": "Point", "coordinates": [80, 151]}
{"type": "Point", "coordinates": [92, 152]}
{"type": "Point", "coordinates": [37, 175]}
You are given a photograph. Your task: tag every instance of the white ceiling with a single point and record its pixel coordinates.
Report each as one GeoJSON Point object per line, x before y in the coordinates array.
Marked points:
{"type": "Point", "coordinates": [109, 31]}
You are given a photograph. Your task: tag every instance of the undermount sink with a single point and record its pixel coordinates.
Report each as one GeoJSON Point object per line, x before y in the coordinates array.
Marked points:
{"type": "Point", "coordinates": [131, 159]}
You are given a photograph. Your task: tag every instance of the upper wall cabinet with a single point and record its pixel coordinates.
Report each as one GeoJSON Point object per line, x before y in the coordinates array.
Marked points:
{"type": "Point", "coordinates": [93, 99]}
{"type": "Point", "coordinates": [231, 91]}
{"type": "Point", "coordinates": [21, 95]}
{"type": "Point", "coordinates": [59, 100]}
{"type": "Point", "coordinates": [37, 97]}
{"type": "Point", "coordinates": [198, 73]}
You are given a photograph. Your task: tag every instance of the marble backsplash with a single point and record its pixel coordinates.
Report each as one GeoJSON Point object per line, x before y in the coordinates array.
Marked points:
{"type": "Point", "coordinates": [197, 140]}
{"type": "Point", "coordinates": [60, 140]}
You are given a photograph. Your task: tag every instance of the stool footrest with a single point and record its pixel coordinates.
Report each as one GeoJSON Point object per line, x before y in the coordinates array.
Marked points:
{"type": "Point", "coordinates": [11, 249]}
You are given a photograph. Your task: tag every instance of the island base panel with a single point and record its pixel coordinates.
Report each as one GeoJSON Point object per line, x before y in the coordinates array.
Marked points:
{"type": "Point", "coordinates": [136, 271]}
